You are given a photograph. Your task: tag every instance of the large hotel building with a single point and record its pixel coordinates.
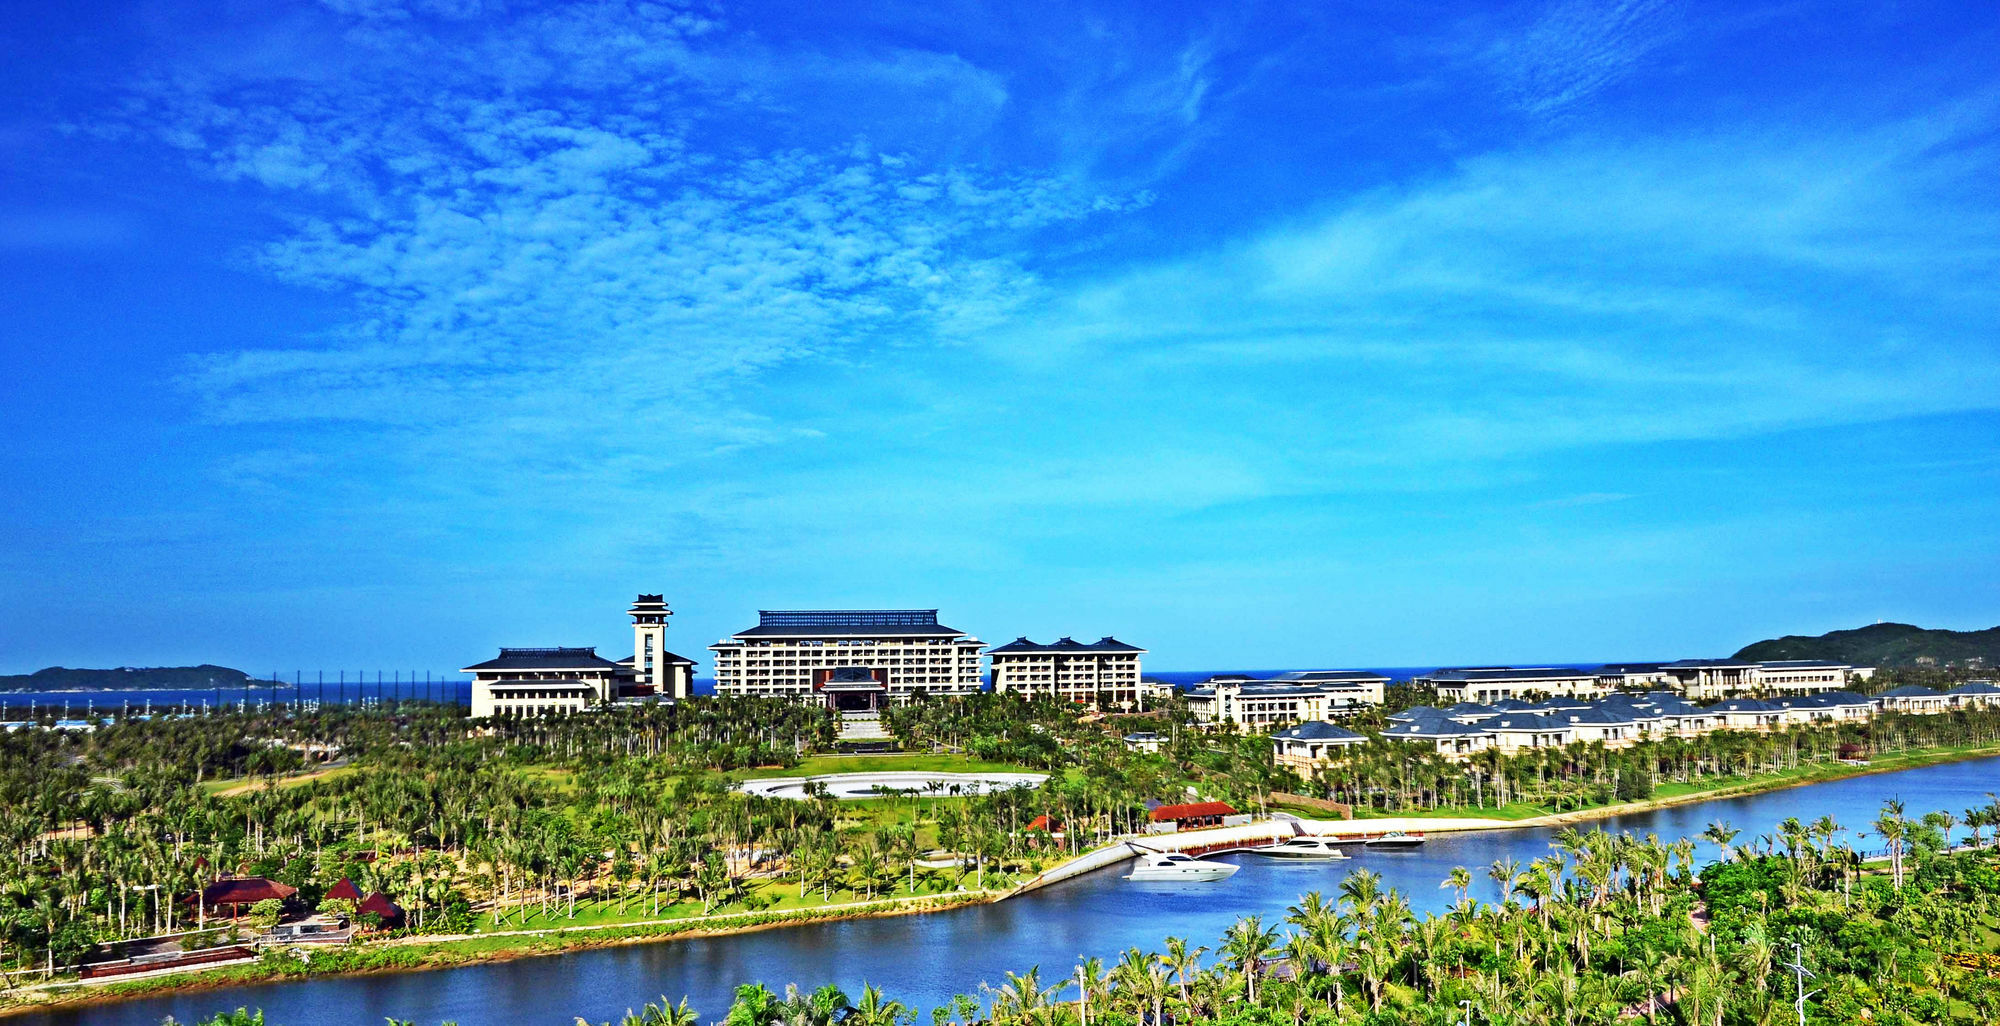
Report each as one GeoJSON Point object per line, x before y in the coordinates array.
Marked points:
{"type": "Point", "coordinates": [847, 658]}
{"type": "Point", "coordinates": [1102, 673]}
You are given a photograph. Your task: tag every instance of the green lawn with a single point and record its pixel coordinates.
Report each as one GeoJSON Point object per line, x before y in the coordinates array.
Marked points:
{"type": "Point", "coordinates": [822, 765]}
{"type": "Point", "coordinates": [597, 912]}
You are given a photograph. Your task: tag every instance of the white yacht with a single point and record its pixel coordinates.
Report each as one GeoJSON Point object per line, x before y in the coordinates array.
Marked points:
{"type": "Point", "coordinates": [1395, 840]}
{"type": "Point", "coordinates": [1172, 867]}
{"type": "Point", "coordinates": [1317, 849]}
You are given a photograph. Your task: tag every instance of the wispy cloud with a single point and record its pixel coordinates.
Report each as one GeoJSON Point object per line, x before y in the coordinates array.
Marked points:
{"type": "Point", "coordinates": [548, 256]}
{"type": "Point", "coordinates": [1574, 48]}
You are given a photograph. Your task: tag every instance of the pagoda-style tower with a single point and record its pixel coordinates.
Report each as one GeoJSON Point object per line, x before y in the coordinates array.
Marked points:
{"type": "Point", "coordinates": [651, 662]}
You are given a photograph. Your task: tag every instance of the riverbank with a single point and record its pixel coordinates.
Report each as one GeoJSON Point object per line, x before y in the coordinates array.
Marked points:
{"type": "Point", "coordinates": [1466, 817]}
{"type": "Point", "coordinates": [423, 953]}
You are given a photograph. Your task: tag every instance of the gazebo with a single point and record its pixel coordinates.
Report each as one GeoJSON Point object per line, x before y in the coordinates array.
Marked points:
{"type": "Point", "coordinates": [345, 891]}
{"type": "Point", "coordinates": [379, 904]}
{"type": "Point", "coordinates": [238, 892]}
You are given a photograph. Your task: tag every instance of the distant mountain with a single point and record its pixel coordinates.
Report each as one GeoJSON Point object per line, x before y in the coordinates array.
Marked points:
{"type": "Point", "coordinates": [1887, 645]}
{"type": "Point", "coordinates": [61, 678]}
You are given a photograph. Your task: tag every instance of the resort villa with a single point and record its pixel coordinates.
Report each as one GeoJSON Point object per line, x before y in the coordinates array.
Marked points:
{"type": "Point", "coordinates": [1247, 702]}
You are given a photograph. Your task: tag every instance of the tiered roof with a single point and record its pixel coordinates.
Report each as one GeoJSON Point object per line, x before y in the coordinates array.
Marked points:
{"type": "Point", "coordinates": [545, 659]}
{"type": "Point", "coordinates": [828, 623]}
{"type": "Point", "coordinates": [1023, 645]}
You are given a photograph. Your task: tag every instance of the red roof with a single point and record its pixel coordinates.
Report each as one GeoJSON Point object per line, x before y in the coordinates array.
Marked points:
{"type": "Point", "coordinates": [344, 889]}
{"type": "Point", "coordinates": [1192, 810]}
{"type": "Point", "coordinates": [1044, 823]}
{"type": "Point", "coordinates": [245, 890]}
{"type": "Point", "coordinates": [380, 904]}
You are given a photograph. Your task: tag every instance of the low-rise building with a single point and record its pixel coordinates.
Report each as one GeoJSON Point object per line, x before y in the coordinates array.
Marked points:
{"type": "Point", "coordinates": [1709, 679]}
{"type": "Point", "coordinates": [1515, 731]}
{"type": "Point", "coordinates": [1746, 714]}
{"type": "Point", "coordinates": [1488, 684]}
{"type": "Point", "coordinates": [1101, 674]}
{"type": "Point", "coordinates": [1256, 704]}
{"type": "Point", "coordinates": [1824, 707]}
{"type": "Point", "coordinates": [1974, 694]}
{"type": "Point", "coordinates": [1305, 748]}
{"type": "Point", "coordinates": [541, 681]}
{"type": "Point", "coordinates": [1800, 676]}
{"type": "Point", "coordinates": [1912, 698]}
{"type": "Point", "coordinates": [1445, 736]}
{"type": "Point", "coordinates": [1633, 676]}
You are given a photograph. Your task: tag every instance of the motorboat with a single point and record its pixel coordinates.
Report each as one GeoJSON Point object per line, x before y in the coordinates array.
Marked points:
{"type": "Point", "coordinates": [1317, 849]}
{"type": "Point", "coordinates": [1395, 840]}
{"type": "Point", "coordinates": [1174, 867]}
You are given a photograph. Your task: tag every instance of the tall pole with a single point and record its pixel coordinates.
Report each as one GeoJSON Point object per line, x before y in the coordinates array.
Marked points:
{"type": "Point", "coordinates": [1800, 974]}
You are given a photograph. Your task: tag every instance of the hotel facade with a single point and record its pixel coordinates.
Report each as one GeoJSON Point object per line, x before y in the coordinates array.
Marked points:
{"type": "Point", "coordinates": [848, 659]}
{"type": "Point", "coordinates": [1101, 674]}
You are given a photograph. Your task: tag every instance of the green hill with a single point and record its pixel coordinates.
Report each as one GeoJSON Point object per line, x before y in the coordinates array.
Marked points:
{"type": "Point", "coordinates": [1887, 645]}
{"type": "Point", "coordinates": [62, 678]}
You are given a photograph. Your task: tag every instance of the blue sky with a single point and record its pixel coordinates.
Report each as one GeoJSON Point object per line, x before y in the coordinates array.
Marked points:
{"type": "Point", "coordinates": [375, 334]}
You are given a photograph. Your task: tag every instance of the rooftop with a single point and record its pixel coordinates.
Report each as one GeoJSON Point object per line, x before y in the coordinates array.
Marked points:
{"type": "Point", "coordinates": [1104, 644]}
{"type": "Point", "coordinates": [813, 623]}
{"type": "Point", "coordinates": [1318, 730]}
{"type": "Point", "coordinates": [545, 659]}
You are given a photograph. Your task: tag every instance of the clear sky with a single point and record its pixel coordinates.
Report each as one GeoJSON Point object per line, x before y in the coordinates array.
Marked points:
{"type": "Point", "coordinates": [373, 333]}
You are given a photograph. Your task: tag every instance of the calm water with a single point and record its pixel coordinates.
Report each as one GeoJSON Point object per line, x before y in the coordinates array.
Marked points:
{"type": "Point", "coordinates": [925, 959]}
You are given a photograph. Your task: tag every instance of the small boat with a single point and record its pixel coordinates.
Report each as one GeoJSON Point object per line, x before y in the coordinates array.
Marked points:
{"type": "Point", "coordinates": [1395, 840]}
{"type": "Point", "coordinates": [1317, 849]}
{"type": "Point", "coordinates": [1172, 867]}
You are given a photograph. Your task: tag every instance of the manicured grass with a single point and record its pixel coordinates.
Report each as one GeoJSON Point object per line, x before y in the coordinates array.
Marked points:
{"type": "Point", "coordinates": [639, 909]}
{"type": "Point", "coordinates": [243, 785]}
{"type": "Point", "coordinates": [821, 765]}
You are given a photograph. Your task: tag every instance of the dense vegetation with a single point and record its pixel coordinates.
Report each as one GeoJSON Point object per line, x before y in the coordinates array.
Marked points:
{"type": "Point", "coordinates": [1605, 928]}
{"type": "Point", "coordinates": [622, 815]}
{"type": "Point", "coordinates": [1887, 645]}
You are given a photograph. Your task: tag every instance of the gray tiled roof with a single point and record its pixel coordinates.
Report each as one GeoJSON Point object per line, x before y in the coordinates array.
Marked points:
{"type": "Point", "coordinates": [545, 659]}
{"type": "Point", "coordinates": [1318, 730]}
{"type": "Point", "coordinates": [1106, 644]}
{"type": "Point", "coordinates": [818, 623]}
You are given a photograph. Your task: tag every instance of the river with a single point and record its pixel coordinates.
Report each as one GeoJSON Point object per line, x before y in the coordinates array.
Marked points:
{"type": "Point", "coordinates": [926, 959]}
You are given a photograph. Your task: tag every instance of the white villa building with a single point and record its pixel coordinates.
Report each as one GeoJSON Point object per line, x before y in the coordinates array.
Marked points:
{"type": "Point", "coordinates": [1304, 748]}
{"type": "Point", "coordinates": [853, 659]}
{"type": "Point", "coordinates": [541, 681]}
{"type": "Point", "coordinates": [1103, 672]}
{"type": "Point", "coordinates": [1493, 683]}
{"type": "Point", "coordinates": [1295, 697]}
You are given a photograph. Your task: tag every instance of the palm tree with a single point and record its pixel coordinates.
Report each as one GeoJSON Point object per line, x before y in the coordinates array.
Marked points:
{"type": "Point", "coordinates": [755, 1005]}
{"type": "Point", "coordinates": [1184, 961]}
{"type": "Point", "coordinates": [875, 1010]}
{"type": "Point", "coordinates": [1721, 834]}
{"type": "Point", "coordinates": [1246, 944]}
